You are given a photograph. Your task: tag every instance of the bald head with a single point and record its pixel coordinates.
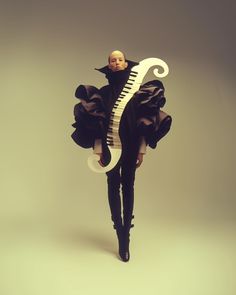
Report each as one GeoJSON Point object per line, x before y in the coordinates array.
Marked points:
{"type": "Point", "coordinates": [116, 61]}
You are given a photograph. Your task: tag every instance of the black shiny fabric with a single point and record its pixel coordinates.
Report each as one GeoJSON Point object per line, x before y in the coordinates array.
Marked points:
{"type": "Point", "coordinates": [140, 117]}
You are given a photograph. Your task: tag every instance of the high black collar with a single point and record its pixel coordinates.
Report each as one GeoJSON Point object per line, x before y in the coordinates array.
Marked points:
{"type": "Point", "coordinates": [118, 76]}
{"type": "Point", "coordinates": [105, 70]}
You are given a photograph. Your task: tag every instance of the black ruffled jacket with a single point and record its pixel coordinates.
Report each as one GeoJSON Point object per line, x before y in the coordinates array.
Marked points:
{"type": "Point", "coordinates": [141, 116]}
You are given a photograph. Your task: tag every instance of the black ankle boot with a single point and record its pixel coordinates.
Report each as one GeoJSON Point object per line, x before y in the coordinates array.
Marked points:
{"type": "Point", "coordinates": [118, 226]}
{"type": "Point", "coordinates": [120, 236]}
{"type": "Point", "coordinates": [127, 227]}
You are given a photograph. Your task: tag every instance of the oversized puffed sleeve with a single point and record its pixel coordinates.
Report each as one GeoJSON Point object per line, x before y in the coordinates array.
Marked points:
{"type": "Point", "coordinates": [89, 116]}
{"type": "Point", "coordinates": [149, 100]}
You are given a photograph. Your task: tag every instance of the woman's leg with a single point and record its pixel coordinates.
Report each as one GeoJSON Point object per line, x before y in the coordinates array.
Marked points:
{"type": "Point", "coordinates": [113, 182]}
{"type": "Point", "coordinates": [128, 168]}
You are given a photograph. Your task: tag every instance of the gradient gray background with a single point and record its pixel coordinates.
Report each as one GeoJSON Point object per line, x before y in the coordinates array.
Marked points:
{"type": "Point", "coordinates": [55, 220]}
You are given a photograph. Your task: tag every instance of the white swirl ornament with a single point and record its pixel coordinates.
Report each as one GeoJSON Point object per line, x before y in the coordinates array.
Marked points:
{"type": "Point", "coordinates": [140, 71]}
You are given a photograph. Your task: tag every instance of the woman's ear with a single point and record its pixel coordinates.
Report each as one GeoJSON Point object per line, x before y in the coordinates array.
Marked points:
{"type": "Point", "coordinates": [126, 64]}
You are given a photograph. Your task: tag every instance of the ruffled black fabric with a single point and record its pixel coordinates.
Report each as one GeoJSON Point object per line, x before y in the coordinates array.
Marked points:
{"type": "Point", "coordinates": [92, 117]}
{"type": "Point", "coordinates": [89, 116]}
{"type": "Point", "coordinates": [149, 99]}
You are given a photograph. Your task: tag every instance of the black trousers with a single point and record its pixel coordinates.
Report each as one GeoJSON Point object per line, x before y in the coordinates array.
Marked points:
{"type": "Point", "coordinates": [123, 176]}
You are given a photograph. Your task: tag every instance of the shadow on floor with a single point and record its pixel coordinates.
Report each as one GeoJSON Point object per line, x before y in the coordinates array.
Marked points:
{"type": "Point", "coordinates": [89, 240]}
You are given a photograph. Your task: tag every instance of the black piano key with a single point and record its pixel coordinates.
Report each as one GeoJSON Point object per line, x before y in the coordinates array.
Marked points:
{"type": "Point", "coordinates": [114, 121]}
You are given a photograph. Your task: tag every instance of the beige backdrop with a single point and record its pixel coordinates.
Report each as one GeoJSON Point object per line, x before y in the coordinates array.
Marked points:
{"type": "Point", "coordinates": [186, 185]}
